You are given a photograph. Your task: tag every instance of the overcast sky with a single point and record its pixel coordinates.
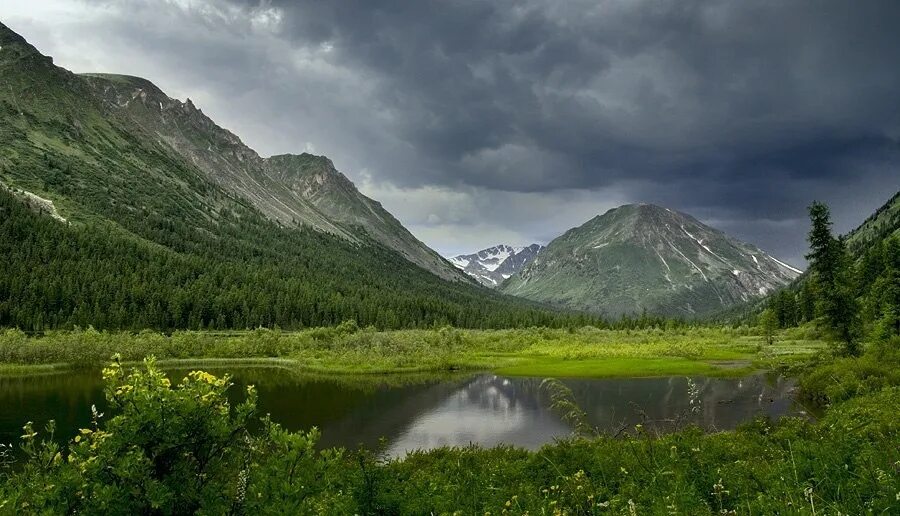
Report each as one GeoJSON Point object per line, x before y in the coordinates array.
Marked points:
{"type": "Point", "coordinates": [503, 121]}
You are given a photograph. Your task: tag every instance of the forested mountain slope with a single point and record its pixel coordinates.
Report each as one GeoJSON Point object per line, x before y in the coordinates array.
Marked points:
{"type": "Point", "coordinates": [872, 253]}
{"type": "Point", "coordinates": [106, 220]}
{"type": "Point", "coordinates": [882, 224]}
{"type": "Point", "coordinates": [292, 189]}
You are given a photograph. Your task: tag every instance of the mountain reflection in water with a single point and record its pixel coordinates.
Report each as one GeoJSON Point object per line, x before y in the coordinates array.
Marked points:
{"type": "Point", "coordinates": [484, 409]}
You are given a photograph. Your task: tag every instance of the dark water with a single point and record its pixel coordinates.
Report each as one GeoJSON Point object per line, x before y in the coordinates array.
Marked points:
{"type": "Point", "coordinates": [414, 413]}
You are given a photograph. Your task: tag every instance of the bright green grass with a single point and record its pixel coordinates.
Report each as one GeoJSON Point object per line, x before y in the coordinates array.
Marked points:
{"type": "Point", "coordinates": [586, 352]}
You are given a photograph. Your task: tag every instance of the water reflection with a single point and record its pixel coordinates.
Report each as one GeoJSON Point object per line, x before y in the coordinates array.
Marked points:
{"type": "Point", "coordinates": [487, 410]}
{"type": "Point", "coordinates": [432, 412]}
{"type": "Point", "coordinates": [665, 404]}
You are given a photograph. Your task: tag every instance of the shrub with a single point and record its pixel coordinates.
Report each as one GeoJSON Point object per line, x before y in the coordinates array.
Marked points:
{"type": "Point", "coordinates": [171, 450]}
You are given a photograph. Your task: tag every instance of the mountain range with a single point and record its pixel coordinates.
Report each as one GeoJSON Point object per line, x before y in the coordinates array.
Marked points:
{"type": "Point", "coordinates": [644, 258]}
{"type": "Point", "coordinates": [121, 207]}
{"type": "Point", "coordinates": [291, 189]}
{"type": "Point", "coordinates": [493, 265]}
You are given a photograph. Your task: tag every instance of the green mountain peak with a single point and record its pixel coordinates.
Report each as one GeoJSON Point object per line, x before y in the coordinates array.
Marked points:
{"type": "Point", "coordinates": [643, 257]}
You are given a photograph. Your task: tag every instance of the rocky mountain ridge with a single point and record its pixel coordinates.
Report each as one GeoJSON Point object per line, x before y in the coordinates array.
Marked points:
{"type": "Point", "coordinates": [492, 266]}
{"type": "Point", "coordinates": [301, 190]}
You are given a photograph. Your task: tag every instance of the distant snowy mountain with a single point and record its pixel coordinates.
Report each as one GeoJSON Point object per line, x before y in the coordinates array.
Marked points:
{"type": "Point", "coordinates": [493, 265]}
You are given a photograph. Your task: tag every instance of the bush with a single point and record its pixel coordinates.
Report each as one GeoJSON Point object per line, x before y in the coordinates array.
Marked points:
{"type": "Point", "coordinates": [840, 379]}
{"type": "Point", "coordinates": [171, 450]}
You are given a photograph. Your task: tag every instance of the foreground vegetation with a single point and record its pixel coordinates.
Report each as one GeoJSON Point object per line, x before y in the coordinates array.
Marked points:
{"type": "Point", "coordinates": [182, 449]}
{"type": "Point", "coordinates": [587, 351]}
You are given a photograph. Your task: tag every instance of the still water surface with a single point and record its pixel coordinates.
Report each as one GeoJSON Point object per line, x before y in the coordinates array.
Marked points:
{"type": "Point", "coordinates": [414, 413]}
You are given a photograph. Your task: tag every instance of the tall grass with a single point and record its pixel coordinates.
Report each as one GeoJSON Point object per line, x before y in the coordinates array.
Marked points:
{"type": "Point", "coordinates": [346, 348]}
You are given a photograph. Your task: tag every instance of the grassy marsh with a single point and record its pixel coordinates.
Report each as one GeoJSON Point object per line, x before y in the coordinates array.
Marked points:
{"type": "Point", "coordinates": [584, 352]}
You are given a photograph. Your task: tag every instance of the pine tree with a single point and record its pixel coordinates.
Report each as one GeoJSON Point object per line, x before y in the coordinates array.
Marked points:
{"type": "Point", "coordinates": [830, 265]}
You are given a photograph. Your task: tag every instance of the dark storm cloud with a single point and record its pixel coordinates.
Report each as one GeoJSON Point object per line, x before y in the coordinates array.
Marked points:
{"type": "Point", "coordinates": [535, 96]}
{"type": "Point", "coordinates": [738, 112]}
{"type": "Point", "coordinates": [615, 87]}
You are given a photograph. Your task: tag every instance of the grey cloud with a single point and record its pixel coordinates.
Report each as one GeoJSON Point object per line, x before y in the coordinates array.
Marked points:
{"type": "Point", "coordinates": [739, 112]}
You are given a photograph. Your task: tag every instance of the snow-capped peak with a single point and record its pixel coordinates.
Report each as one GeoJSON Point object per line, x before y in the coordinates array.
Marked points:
{"type": "Point", "coordinates": [493, 265]}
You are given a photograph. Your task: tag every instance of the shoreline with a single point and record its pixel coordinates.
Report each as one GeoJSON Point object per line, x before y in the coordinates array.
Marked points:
{"type": "Point", "coordinates": [521, 366]}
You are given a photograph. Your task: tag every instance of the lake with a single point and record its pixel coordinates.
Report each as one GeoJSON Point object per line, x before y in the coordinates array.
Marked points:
{"type": "Point", "coordinates": [418, 412]}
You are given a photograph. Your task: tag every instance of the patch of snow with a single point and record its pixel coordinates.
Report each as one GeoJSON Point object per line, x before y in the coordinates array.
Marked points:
{"type": "Point", "coordinates": [460, 262]}
{"type": "Point", "coordinates": [786, 266]}
{"type": "Point", "coordinates": [763, 290]}
{"type": "Point", "coordinates": [704, 246]}
{"type": "Point", "coordinates": [494, 259]}
{"type": "Point", "coordinates": [686, 232]}
{"type": "Point", "coordinates": [604, 244]}
{"type": "Point", "coordinates": [488, 278]}
{"type": "Point", "coordinates": [664, 263]}
{"type": "Point", "coordinates": [688, 260]}
{"type": "Point", "coordinates": [754, 259]}
{"type": "Point", "coordinates": [736, 272]}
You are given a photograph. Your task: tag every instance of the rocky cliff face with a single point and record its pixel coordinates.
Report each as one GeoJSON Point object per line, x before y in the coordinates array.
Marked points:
{"type": "Point", "coordinates": [317, 181]}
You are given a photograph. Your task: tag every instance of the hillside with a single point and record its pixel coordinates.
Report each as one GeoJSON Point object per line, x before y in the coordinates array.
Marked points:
{"type": "Point", "coordinates": [874, 251]}
{"type": "Point", "coordinates": [291, 189]}
{"type": "Point", "coordinates": [880, 226]}
{"type": "Point", "coordinates": [641, 257]}
{"type": "Point", "coordinates": [119, 217]}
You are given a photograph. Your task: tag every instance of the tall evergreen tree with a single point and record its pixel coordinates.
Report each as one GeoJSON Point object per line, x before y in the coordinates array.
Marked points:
{"type": "Point", "coordinates": [830, 266]}
{"type": "Point", "coordinates": [807, 301]}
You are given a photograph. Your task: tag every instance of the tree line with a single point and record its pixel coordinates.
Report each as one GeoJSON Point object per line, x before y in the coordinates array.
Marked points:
{"type": "Point", "coordinates": [856, 295]}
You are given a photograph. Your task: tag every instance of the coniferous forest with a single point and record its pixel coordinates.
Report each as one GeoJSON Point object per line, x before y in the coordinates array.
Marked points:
{"type": "Point", "coordinates": [61, 276]}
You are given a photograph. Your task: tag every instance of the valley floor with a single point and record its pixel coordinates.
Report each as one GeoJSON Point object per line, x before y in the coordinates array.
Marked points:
{"type": "Point", "coordinates": [153, 453]}
{"type": "Point", "coordinates": [585, 352]}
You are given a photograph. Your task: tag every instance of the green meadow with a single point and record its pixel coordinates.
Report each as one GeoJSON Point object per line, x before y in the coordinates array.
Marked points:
{"type": "Point", "coordinates": [583, 352]}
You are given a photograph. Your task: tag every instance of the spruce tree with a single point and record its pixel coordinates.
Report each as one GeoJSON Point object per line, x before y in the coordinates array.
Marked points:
{"type": "Point", "coordinates": [830, 265]}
